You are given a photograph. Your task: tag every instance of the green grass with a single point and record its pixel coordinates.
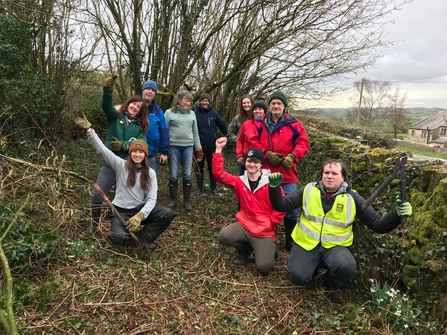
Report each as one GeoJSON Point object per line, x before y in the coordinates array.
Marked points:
{"type": "Point", "coordinates": [421, 152]}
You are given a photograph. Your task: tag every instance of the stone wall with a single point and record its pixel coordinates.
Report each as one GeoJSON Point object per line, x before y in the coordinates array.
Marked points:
{"type": "Point", "coordinates": [423, 147]}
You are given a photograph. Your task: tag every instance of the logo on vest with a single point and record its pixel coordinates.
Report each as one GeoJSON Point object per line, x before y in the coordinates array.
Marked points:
{"type": "Point", "coordinates": [340, 207]}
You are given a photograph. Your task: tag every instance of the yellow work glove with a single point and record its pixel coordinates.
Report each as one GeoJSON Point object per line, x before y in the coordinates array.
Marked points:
{"type": "Point", "coordinates": [288, 161]}
{"type": "Point", "coordinates": [110, 82]}
{"type": "Point", "coordinates": [116, 144]}
{"type": "Point", "coordinates": [134, 223]}
{"type": "Point", "coordinates": [275, 179]}
{"type": "Point", "coordinates": [82, 122]}
{"type": "Point", "coordinates": [274, 158]}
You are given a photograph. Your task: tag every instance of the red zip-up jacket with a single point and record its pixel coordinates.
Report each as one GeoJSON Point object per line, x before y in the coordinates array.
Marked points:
{"type": "Point", "coordinates": [288, 136]}
{"type": "Point", "coordinates": [257, 215]}
{"type": "Point", "coordinates": [248, 138]}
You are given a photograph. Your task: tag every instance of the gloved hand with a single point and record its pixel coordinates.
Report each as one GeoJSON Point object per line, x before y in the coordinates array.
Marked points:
{"type": "Point", "coordinates": [110, 82]}
{"type": "Point", "coordinates": [134, 223]}
{"type": "Point", "coordinates": [240, 161]}
{"type": "Point", "coordinates": [288, 161]}
{"type": "Point", "coordinates": [116, 144]}
{"type": "Point", "coordinates": [275, 179]}
{"type": "Point", "coordinates": [199, 155]}
{"type": "Point", "coordinates": [82, 122]}
{"type": "Point", "coordinates": [403, 208]}
{"type": "Point", "coordinates": [274, 158]}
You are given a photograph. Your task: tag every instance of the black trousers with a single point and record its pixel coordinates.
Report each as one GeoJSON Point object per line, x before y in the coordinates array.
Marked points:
{"type": "Point", "coordinates": [156, 223]}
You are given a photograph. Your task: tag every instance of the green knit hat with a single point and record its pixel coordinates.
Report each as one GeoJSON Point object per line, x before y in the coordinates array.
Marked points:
{"type": "Point", "coordinates": [278, 95]}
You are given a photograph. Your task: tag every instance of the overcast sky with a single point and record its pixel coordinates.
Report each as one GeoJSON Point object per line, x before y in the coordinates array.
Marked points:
{"type": "Point", "coordinates": [417, 61]}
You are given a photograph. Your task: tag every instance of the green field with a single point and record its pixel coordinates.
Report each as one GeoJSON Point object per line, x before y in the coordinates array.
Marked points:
{"type": "Point", "coordinates": [421, 152]}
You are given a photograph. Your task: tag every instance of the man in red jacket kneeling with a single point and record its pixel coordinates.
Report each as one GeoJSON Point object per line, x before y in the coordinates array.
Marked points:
{"type": "Point", "coordinates": [256, 222]}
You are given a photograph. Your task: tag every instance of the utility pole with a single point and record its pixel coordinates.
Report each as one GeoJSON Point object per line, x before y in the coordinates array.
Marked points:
{"type": "Point", "coordinates": [360, 101]}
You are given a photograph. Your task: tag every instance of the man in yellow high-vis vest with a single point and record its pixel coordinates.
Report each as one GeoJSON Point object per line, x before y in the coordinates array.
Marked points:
{"type": "Point", "coordinates": [323, 233]}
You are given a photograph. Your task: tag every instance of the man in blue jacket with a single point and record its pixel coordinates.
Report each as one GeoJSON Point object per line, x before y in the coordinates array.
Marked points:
{"type": "Point", "coordinates": [207, 122]}
{"type": "Point", "coordinates": [157, 136]}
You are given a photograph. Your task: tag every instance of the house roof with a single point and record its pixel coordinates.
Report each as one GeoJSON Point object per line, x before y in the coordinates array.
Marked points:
{"type": "Point", "coordinates": [440, 140]}
{"type": "Point", "coordinates": [433, 121]}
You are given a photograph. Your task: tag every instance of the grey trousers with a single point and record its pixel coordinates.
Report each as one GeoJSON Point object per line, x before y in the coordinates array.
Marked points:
{"type": "Point", "coordinates": [339, 262]}
{"type": "Point", "coordinates": [234, 235]}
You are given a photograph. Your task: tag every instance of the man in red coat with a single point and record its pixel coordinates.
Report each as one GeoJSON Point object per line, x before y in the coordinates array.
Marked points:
{"type": "Point", "coordinates": [285, 142]}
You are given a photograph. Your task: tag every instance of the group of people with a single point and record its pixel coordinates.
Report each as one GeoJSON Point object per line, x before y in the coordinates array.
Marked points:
{"type": "Point", "coordinates": [317, 218]}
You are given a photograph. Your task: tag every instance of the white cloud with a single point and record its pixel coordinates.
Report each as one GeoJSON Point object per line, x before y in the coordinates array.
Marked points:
{"type": "Point", "coordinates": [417, 59]}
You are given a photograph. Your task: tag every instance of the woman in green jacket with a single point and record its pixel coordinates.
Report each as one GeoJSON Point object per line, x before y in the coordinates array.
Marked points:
{"type": "Point", "coordinates": [125, 125]}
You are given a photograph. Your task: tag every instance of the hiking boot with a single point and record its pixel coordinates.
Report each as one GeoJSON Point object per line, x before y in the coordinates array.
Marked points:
{"type": "Point", "coordinates": [242, 256]}
{"type": "Point", "coordinates": [336, 297]}
{"type": "Point", "coordinates": [214, 192]}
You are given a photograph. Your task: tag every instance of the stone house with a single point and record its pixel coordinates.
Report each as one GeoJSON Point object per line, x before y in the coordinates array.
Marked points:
{"type": "Point", "coordinates": [431, 131]}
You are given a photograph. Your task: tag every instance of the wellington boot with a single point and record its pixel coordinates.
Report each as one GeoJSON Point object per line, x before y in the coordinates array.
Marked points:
{"type": "Point", "coordinates": [187, 196]}
{"type": "Point", "coordinates": [199, 185]}
{"type": "Point", "coordinates": [173, 195]}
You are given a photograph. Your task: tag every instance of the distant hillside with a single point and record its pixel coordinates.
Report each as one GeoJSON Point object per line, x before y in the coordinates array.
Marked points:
{"type": "Point", "coordinates": [414, 113]}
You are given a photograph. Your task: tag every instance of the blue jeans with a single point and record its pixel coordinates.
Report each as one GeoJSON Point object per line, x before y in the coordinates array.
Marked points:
{"type": "Point", "coordinates": [290, 188]}
{"type": "Point", "coordinates": [106, 179]}
{"type": "Point", "coordinates": [153, 163]}
{"type": "Point", "coordinates": [183, 156]}
{"type": "Point", "coordinates": [339, 262]}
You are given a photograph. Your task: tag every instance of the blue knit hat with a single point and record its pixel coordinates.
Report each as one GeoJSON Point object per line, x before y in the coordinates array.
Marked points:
{"type": "Point", "coordinates": [150, 84]}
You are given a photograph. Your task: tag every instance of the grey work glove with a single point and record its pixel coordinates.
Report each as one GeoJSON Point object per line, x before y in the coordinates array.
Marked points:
{"type": "Point", "coordinates": [240, 161]}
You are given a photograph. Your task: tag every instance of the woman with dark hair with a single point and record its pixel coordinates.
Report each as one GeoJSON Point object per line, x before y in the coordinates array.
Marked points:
{"type": "Point", "coordinates": [248, 135]}
{"type": "Point", "coordinates": [135, 194]}
{"type": "Point", "coordinates": [124, 126]}
{"type": "Point", "coordinates": [243, 114]}
{"type": "Point", "coordinates": [184, 139]}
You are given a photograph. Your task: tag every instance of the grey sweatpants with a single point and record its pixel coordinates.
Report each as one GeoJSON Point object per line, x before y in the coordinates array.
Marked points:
{"type": "Point", "coordinates": [234, 235]}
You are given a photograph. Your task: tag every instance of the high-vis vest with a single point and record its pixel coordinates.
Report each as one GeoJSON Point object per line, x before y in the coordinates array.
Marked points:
{"type": "Point", "coordinates": [331, 229]}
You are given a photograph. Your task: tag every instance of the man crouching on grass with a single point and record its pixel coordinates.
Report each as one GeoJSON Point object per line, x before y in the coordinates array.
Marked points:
{"type": "Point", "coordinates": [255, 229]}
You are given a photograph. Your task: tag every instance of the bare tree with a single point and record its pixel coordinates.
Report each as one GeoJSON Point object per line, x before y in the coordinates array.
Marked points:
{"type": "Point", "coordinates": [228, 48]}
{"type": "Point", "coordinates": [374, 100]}
{"type": "Point", "coordinates": [396, 112]}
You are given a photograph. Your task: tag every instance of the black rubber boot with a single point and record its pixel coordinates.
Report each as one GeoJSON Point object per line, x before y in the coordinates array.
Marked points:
{"type": "Point", "coordinates": [187, 196]}
{"type": "Point", "coordinates": [199, 184]}
{"type": "Point", "coordinates": [173, 195]}
{"type": "Point", "coordinates": [289, 225]}
{"type": "Point", "coordinates": [96, 216]}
